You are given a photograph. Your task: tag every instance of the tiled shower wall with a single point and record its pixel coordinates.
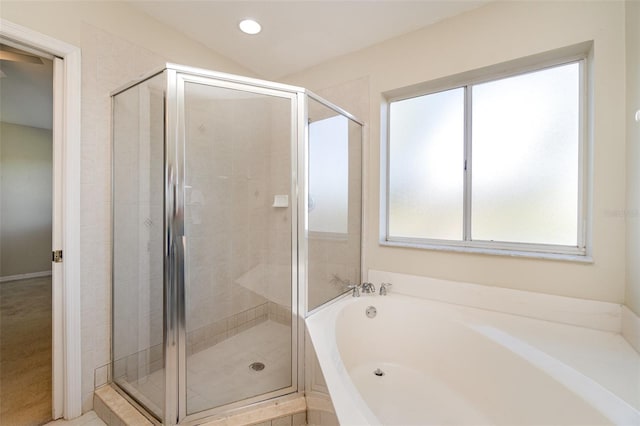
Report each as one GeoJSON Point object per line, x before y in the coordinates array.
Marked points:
{"type": "Point", "coordinates": [238, 244]}
{"type": "Point", "coordinates": [218, 331]}
{"type": "Point", "coordinates": [217, 224]}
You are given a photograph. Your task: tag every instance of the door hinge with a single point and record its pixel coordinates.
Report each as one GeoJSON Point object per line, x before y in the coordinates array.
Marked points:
{"type": "Point", "coordinates": [56, 256]}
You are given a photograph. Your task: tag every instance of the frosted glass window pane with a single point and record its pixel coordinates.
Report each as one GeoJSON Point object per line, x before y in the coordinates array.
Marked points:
{"type": "Point", "coordinates": [525, 158]}
{"type": "Point", "coordinates": [425, 166]}
{"type": "Point", "coordinates": [329, 175]}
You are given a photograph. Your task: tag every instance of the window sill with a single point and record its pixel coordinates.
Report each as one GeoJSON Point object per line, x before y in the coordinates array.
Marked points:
{"type": "Point", "coordinates": [586, 259]}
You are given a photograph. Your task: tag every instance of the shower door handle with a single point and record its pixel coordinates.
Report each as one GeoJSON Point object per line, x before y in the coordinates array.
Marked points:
{"type": "Point", "coordinates": [179, 259]}
{"type": "Point", "coordinates": [171, 299]}
{"type": "Point", "coordinates": [173, 267]}
{"type": "Point", "coordinates": [176, 288]}
{"type": "Point", "coordinates": [177, 262]}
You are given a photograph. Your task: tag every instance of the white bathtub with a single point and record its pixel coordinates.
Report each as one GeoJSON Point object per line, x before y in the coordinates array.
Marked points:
{"type": "Point", "coordinates": [450, 365]}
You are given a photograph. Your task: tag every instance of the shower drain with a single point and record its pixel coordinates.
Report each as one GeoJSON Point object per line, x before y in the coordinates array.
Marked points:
{"type": "Point", "coordinates": [257, 366]}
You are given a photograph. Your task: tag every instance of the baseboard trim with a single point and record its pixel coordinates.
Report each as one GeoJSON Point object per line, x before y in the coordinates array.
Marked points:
{"type": "Point", "coordinates": [631, 328]}
{"type": "Point", "coordinates": [25, 276]}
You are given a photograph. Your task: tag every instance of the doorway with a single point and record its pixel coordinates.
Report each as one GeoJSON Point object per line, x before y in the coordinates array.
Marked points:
{"type": "Point", "coordinates": [26, 196]}
{"type": "Point", "coordinates": [67, 352]}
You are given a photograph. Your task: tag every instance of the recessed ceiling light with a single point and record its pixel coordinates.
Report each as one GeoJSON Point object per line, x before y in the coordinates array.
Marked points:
{"type": "Point", "coordinates": [249, 26]}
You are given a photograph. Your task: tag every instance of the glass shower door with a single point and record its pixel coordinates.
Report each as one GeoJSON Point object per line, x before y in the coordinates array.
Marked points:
{"type": "Point", "coordinates": [238, 215]}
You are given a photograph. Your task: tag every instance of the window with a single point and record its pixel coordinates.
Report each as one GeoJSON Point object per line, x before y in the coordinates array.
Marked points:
{"type": "Point", "coordinates": [494, 164]}
{"type": "Point", "coordinates": [329, 176]}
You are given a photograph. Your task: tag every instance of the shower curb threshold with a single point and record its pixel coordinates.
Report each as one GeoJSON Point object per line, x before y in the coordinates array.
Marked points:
{"type": "Point", "coordinates": [113, 409]}
{"type": "Point", "coordinates": [263, 413]}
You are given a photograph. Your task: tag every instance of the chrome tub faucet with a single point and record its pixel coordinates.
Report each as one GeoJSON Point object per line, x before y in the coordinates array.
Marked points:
{"type": "Point", "coordinates": [368, 288]}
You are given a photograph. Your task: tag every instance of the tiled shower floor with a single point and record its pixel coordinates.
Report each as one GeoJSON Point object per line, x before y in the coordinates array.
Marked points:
{"type": "Point", "coordinates": [221, 374]}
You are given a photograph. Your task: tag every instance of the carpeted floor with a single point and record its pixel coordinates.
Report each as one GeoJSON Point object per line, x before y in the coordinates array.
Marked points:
{"type": "Point", "coordinates": [25, 352]}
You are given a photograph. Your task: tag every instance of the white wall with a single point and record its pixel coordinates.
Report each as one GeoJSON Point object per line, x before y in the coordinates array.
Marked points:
{"type": "Point", "coordinates": [118, 44]}
{"type": "Point", "coordinates": [492, 34]}
{"type": "Point", "coordinates": [25, 199]}
{"type": "Point", "coordinates": [632, 297]}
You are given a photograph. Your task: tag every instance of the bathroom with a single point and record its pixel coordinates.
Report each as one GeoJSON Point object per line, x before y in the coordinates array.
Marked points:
{"type": "Point", "coordinates": [119, 43]}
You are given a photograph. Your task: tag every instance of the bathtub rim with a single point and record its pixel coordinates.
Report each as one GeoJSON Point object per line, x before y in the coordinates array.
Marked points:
{"type": "Point", "coordinates": [350, 407]}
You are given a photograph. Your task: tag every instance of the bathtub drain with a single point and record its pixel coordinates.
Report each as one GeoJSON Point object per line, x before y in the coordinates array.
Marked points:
{"type": "Point", "coordinates": [257, 366]}
{"type": "Point", "coordinates": [378, 372]}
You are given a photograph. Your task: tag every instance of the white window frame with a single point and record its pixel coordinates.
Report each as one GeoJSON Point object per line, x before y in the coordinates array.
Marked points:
{"type": "Point", "coordinates": [580, 54]}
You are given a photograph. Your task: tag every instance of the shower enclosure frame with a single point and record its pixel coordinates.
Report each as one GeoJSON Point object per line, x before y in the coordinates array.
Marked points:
{"type": "Point", "coordinates": [174, 292]}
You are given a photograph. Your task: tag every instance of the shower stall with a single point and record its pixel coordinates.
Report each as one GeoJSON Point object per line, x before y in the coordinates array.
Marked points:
{"type": "Point", "coordinates": [236, 211]}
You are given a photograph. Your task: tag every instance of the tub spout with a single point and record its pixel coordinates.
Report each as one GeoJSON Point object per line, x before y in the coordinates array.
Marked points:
{"type": "Point", "coordinates": [368, 288]}
{"type": "Point", "coordinates": [384, 288]}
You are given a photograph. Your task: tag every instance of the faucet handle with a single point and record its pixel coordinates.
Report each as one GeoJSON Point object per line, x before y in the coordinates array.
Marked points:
{"type": "Point", "coordinates": [355, 288]}
{"type": "Point", "coordinates": [384, 288]}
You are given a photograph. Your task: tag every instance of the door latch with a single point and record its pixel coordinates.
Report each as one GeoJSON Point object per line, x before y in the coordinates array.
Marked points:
{"type": "Point", "coordinates": [56, 256]}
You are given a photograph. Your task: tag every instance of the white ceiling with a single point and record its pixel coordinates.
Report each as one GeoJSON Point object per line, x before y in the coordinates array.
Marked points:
{"type": "Point", "coordinates": [298, 34]}
{"type": "Point", "coordinates": [26, 93]}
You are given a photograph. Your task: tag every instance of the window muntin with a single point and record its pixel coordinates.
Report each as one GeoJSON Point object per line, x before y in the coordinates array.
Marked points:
{"type": "Point", "coordinates": [517, 172]}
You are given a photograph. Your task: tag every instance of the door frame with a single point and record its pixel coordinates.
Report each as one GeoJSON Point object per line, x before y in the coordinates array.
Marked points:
{"type": "Point", "coordinates": [66, 348]}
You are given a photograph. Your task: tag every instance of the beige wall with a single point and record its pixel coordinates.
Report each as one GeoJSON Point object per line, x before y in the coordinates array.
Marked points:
{"type": "Point", "coordinates": [632, 297]}
{"type": "Point", "coordinates": [118, 44]}
{"type": "Point", "coordinates": [496, 33]}
{"type": "Point", "coordinates": [25, 199]}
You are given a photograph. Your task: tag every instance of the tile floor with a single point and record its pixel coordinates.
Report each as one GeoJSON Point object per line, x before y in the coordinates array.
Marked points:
{"type": "Point", "coordinates": [25, 352]}
{"type": "Point", "coordinates": [221, 374]}
{"type": "Point", "coordinates": [87, 419]}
